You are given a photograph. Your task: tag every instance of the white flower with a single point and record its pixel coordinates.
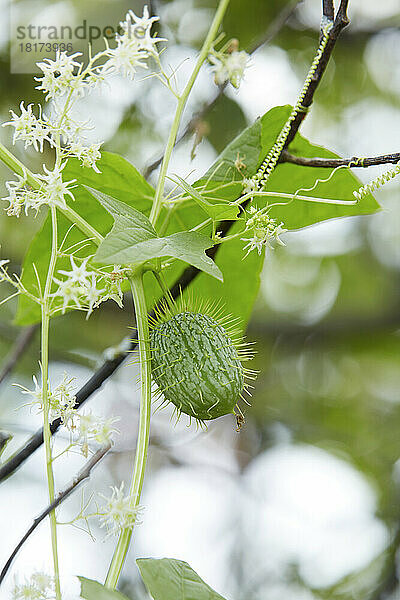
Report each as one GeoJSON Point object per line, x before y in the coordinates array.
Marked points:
{"type": "Point", "coordinates": [88, 155]}
{"type": "Point", "coordinates": [93, 295]}
{"type": "Point", "coordinates": [249, 185]}
{"type": "Point", "coordinates": [61, 399]}
{"type": "Point", "coordinates": [37, 393]}
{"type": "Point", "coordinates": [28, 128]}
{"type": "Point", "coordinates": [135, 26]}
{"type": "Point", "coordinates": [16, 196]}
{"type": "Point", "coordinates": [69, 292]}
{"type": "Point", "coordinates": [125, 58]}
{"type": "Point", "coordinates": [58, 75]}
{"type": "Point", "coordinates": [79, 273]}
{"type": "Point", "coordinates": [118, 512]}
{"type": "Point", "coordinates": [92, 428]}
{"type": "Point", "coordinates": [265, 231]}
{"type": "Point", "coordinates": [87, 289]}
{"type": "Point", "coordinates": [34, 199]}
{"type": "Point", "coordinates": [148, 43]}
{"type": "Point", "coordinates": [63, 64]}
{"type": "Point", "coordinates": [228, 67]}
{"type": "Point", "coordinates": [61, 123]}
{"type": "Point", "coordinates": [221, 73]}
{"type": "Point", "coordinates": [55, 188]}
{"type": "Point", "coordinates": [39, 587]}
{"type": "Point", "coordinates": [236, 63]}
{"type": "Point", "coordinates": [22, 197]}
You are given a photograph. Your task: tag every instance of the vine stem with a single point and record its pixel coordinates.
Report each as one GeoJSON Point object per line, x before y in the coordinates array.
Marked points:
{"type": "Point", "coordinates": [139, 300]}
{"type": "Point", "coordinates": [45, 397]}
{"type": "Point", "coordinates": [208, 42]}
{"type": "Point", "coordinates": [19, 168]}
{"type": "Point", "coordinates": [144, 424]}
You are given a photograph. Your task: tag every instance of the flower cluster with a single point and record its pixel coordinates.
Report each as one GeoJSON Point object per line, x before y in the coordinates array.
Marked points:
{"type": "Point", "coordinates": [86, 428]}
{"type": "Point", "coordinates": [229, 65]}
{"type": "Point", "coordinates": [60, 76]}
{"type": "Point", "coordinates": [28, 128]}
{"type": "Point", "coordinates": [52, 191]}
{"type": "Point", "coordinates": [118, 512]}
{"type": "Point", "coordinates": [86, 289]}
{"type": "Point", "coordinates": [93, 429]}
{"type": "Point", "coordinates": [61, 398]}
{"type": "Point", "coordinates": [265, 230]}
{"type": "Point", "coordinates": [39, 587]}
{"type": "Point", "coordinates": [134, 47]}
{"type": "Point", "coordinates": [63, 81]}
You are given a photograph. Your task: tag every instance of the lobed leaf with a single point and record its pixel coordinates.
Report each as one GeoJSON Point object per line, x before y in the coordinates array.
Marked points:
{"type": "Point", "coordinates": [133, 240]}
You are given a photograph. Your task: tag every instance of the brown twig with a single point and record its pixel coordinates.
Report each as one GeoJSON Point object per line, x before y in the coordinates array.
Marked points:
{"type": "Point", "coordinates": [328, 9]}
{"type": "Point", "coordinates": [21, 345]}
{"type": "Point", "coordinates": [80, 477]}
{"type": "Point", "coordinates": [270, 34]}
{"type": "Point", "coordinates": [341, 21]}
{"type": "Point", "coordinates": [340, 162]}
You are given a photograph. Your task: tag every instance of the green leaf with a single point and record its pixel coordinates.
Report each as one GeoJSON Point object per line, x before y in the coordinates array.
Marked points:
{"type": "Point", "coordinates": [242, 277]}
{"type": "Point", "coordinates": [133, 240]}
{"type": "Point", "coordinates": [247, 147]}
{"type": "Point", "coordinates": [254, 143]}
{"type": "Point", "coordinates": [241, 283]}
{"type": "Point", "coordinates": [130, 226]}
{"type": "Point", "coordinates": [118, 177]}
{"type": "Point", "coordinates": [218, 211]}
{"type": "Point", "coordinates": [170, 579]}
{"type": "Point", "coordinates": [289, 178]}
{"type": "Point", "coordinates": [93, 590]}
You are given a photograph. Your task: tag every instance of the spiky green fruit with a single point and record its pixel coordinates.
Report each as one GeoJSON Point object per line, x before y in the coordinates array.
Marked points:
{"type": "Point", "coordinates": [197, 365]}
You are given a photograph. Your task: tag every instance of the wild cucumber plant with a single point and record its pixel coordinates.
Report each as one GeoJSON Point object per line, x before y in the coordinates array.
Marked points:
{"type": "Point", "coordinates": [245, 202]}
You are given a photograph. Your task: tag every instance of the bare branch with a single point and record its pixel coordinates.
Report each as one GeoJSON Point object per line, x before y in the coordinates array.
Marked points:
{"type": "Point", "coordinates": [328, 9]}
{"type": "Point", "coordinates": [340, 162]}
{"type": "Point", "coordinates": [341, 18]}
{"type": "Point", "coordinates": [340, 23]}
{"type": "Point", "coordinates": [80, 477]}
{"type": "Point", "coordinates": [21, 345]}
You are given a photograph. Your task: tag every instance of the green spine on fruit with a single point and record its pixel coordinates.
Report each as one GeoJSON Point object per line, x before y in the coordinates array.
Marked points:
{"type": "Point", "coordinates": [197, 364]}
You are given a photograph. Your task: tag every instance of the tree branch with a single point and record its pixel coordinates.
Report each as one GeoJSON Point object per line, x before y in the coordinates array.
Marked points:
{"type": "Point", "coordinates": [340, 162]}
{"type": "Point", "coordinates": [80, 477]}
{"type": "Point", "coordinates": [328, 9]}
{"type": "Point", "coordinates": [340, 23]}
{"type": "Point", "coordinates": [190, 273]}
{"type": "Point", "coordinates": [21, 345]}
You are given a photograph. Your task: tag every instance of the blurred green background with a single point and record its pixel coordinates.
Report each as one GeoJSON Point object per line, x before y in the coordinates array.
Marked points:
{"type": "Point", "coordinates": [304, 502]}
